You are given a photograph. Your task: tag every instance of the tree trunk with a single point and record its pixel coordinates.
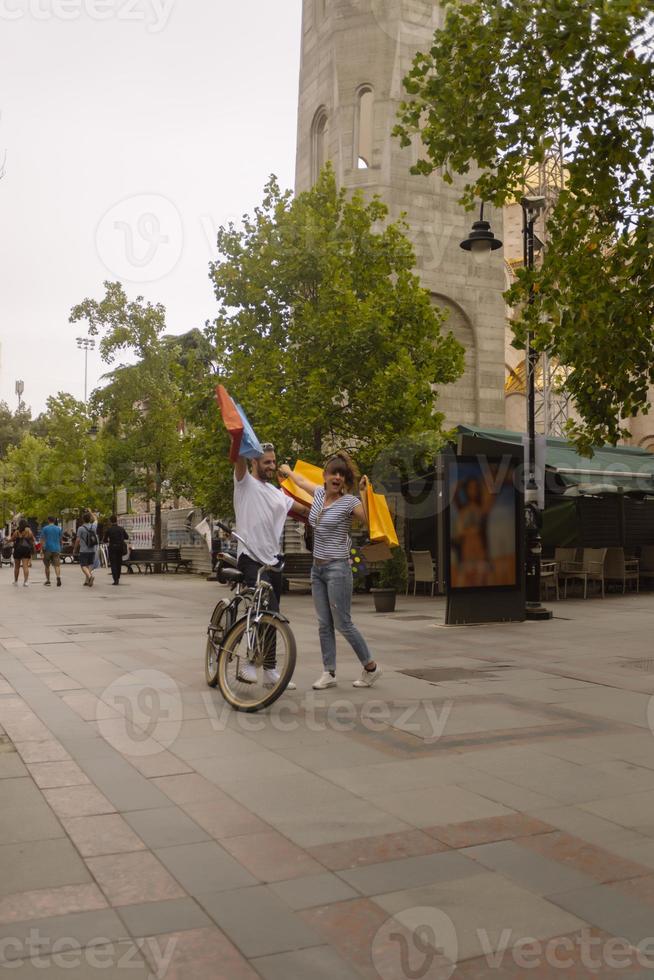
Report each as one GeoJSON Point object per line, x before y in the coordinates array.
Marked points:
{"type": "Point", "coordinates": [157, 514]}
{"type": "Point", "coordinates": [317, 441]}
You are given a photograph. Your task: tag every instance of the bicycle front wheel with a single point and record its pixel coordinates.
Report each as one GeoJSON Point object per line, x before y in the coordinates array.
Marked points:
{"type": "Point", "coordinates": [252, 680]}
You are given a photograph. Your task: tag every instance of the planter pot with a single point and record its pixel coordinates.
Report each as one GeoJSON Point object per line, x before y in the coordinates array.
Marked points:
{"type": "Point", "coordinates": [384, 599]}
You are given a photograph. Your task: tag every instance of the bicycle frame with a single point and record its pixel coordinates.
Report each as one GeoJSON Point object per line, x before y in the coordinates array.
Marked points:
{"type": "Point", "coordinates": [255, 598]}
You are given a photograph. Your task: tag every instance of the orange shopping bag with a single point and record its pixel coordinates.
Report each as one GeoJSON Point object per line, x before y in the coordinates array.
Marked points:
{"type": "Point", "coordinates": [380, 522]}
{"type": "Point", "coordinates": [309, 472]}
{"type": "Point", "coordinates": [232, 419]}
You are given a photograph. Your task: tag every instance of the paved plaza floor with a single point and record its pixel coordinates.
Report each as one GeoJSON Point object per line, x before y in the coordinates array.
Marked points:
{"type": "Point", "coordinates": [487, 810]}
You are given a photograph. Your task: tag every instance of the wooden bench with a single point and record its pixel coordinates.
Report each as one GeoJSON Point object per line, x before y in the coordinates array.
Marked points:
{"type": "Point", "coordinates": [297, 570]}
{"type": "Point", "coordinates": [173, 556]}
{"type": "Point", "coordinates": [144, 560]}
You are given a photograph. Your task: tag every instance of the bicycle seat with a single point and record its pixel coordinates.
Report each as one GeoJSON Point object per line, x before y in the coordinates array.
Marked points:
{"type": "Point", "coordinates": [228, 575]}
{"type": "Point", "coordinates": [226, 559]}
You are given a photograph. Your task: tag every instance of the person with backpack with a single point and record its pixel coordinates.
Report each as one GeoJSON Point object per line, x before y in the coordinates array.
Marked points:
{"type": "Point", "coordinates": [23, 542]}
{"type": "Point", "coordinates": [86, 546]}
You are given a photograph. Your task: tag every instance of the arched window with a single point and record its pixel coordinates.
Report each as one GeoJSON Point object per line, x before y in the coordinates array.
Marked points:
{"type": "Point", "coordinates": [364, 127]}
{"type": "Point", "coordinates": [318, 143]}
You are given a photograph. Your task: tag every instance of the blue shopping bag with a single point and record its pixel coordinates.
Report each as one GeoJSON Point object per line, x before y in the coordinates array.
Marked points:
{"type": "Point", "coordinates": [250, 446]}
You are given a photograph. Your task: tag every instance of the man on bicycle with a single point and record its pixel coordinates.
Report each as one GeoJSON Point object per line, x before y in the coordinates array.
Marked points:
{"type": "Point", "coordinates": [261, 510]}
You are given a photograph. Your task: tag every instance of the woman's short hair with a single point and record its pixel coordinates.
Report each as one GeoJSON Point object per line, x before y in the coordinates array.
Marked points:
{"type": "Point", "coordinates": [22, 524]}
{"type": "Point", "coordinates": [341, 463]}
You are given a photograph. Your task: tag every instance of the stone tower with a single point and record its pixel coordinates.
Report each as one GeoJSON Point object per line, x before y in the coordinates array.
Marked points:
{"type": "Point", "coordinates": [355, 54]}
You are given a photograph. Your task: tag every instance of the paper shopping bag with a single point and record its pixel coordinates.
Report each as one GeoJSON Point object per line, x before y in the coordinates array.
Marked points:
{"type": "Point", "coordinates": [243, 438]}
{"type": "Point", "coordinates": [232, 421]}
{"type": "Point", "coordinates": [250, 446]}
{"type": "Point", "coordinates": [309, 472]}
{"type": "Point", "coordinates": [380, 522]}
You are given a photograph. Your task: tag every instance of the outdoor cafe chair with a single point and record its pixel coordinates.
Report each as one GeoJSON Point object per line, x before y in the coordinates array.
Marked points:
{"type": "Point", "coordinates": [590, 569]}
{"type": "Point", "coordinates": [617, 568]}
{"type": "Point", "coordinates": [423, 570]}
{"type": "Point", "coordinates": [549, 575]}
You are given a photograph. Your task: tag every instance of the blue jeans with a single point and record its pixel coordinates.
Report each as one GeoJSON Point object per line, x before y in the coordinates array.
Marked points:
{"type": "Point", "coordinates": [331, 585]}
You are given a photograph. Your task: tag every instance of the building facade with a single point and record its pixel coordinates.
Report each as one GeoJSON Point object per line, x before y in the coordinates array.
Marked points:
{"type": "Point", "coordinates": [355, 54]}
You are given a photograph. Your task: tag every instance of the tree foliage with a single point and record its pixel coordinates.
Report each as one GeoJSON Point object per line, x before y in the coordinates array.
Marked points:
{"type": "Point", "coordinates": [502, 77]}
{"type": "Point", "coordinates": [141, 403]}
{"type": "Point", "coordinates": [13, 426]}
{"type": "Point", "coordinates": [324, 333]}
{"type": "Point", "coordinates": [61, 469]}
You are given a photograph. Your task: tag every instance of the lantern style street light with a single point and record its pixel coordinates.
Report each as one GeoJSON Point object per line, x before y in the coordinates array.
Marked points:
{"type": "Point", "coordinates": [480, 243]}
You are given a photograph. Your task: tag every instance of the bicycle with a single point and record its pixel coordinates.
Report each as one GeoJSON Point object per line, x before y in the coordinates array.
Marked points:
{"type": "Point", "coordinates": [242, 629]}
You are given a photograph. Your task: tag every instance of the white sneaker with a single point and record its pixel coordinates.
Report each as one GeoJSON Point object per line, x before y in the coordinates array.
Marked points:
{"type": "Point", "coordinates": [247, 672]}
{"type": "Point", "coordinates": [15, 584]}
{"type": "Point", "coordinates": [271, 679]}
{"type": "Point", "coordinates": [26, 585]}
{"type": "Point", "coordinates": [368, 677]}
{"type": "Point", "coordinates": [325, 680]}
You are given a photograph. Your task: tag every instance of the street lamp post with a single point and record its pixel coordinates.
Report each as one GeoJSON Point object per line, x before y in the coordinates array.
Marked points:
{"type": "Point", "coordinates": [531, 208]}
{"type": "Point", "coordinates": [480, 243]}
{"type": "Point", "coordinates": [86, 344]}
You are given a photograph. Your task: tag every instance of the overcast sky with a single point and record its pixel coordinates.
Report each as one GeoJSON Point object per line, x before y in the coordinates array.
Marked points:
{"type": "Point", "coordinates": [133, 129]}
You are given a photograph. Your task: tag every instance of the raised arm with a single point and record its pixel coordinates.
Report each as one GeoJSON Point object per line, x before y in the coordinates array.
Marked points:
{"type": "Point", "coordinates": [286, 473]}
{"type": "Point", "coordinates": [240, 468]}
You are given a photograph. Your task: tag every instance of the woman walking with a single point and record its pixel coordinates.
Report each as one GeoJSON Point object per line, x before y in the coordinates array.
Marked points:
{"type": "Point", "coordinates": [23, 542]}
{"type": "Point", "coordinates": [86, 546]}
{"type": "Point", "coordinates": [330, 516]}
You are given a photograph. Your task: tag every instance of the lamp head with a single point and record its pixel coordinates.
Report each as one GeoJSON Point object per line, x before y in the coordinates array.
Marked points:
{"type": "Point", "coordinates": [481, 241]}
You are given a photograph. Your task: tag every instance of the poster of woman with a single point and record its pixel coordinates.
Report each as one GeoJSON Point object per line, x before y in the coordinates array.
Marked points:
{"type": "Point", "coordinates": [482, 524]}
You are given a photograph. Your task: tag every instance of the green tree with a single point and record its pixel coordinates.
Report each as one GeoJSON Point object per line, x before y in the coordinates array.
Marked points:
{"type": "Point", "coordinates": [501, 77]}
{"type": "Point", "coordinates": [62, 469]}
{"type": "Point", "coordinates": [142, 403]}
{"type": "Point", "coordinates": [13, 426]}
{"type": "Point", "coordinates": [324, 333]}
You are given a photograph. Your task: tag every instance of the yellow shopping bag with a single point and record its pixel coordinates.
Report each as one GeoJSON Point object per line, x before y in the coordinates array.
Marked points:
{"type": "Point", "coordinates": [380, 522]}
{"type": "Point", "coordinates": [309, 472]}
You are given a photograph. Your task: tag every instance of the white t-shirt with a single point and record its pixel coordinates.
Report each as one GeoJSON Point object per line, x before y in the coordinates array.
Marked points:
{"type": "Point", "coordinates": [261, 511]}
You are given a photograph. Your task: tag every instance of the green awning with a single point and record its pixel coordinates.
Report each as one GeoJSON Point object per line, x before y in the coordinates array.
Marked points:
{"type": "Point", "coordinates": [611, 467]}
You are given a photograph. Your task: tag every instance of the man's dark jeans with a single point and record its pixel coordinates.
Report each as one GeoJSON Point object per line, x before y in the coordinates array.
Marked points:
{"type": "Point", "coordinates": [250, 569]}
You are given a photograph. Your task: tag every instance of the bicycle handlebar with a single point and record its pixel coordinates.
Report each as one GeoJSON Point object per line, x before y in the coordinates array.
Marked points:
{"type": "Point", "coordinates": [264, 564]}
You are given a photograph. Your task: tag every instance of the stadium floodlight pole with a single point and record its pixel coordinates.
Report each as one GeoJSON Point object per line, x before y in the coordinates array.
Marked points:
{"type": "Point", "coordinates": [86, 344]}
{"type": "Point", "coordinates": [20, 388]}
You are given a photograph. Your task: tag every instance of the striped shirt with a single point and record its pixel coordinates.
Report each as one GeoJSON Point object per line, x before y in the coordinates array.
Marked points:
{"type": "Point", "coordinates": [331, 524]}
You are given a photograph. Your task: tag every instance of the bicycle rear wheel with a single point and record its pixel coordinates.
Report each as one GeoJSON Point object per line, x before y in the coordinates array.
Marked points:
{"type": "Point", "coordinates": [273, 656]}
{"type": "Point", "coordinates": [221, 619]}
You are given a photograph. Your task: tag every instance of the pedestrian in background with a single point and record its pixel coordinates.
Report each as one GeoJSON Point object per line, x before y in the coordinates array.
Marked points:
{"type": "Point", "coordinates": [51, 548]}
{"type": "Point", "coordinates": [86, 546]}
{"type": "Point", "coordinates": [116, 537]}
{"type": "Point", "coordinates": [23, 542]}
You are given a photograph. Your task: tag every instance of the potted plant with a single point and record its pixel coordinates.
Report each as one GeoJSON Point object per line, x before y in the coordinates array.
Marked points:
{"type": "Point", "coordinates": [392, 578]}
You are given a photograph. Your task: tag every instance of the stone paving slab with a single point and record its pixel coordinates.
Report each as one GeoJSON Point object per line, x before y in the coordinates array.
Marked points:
{"type": "Point", "coordinates": [298, 842]}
